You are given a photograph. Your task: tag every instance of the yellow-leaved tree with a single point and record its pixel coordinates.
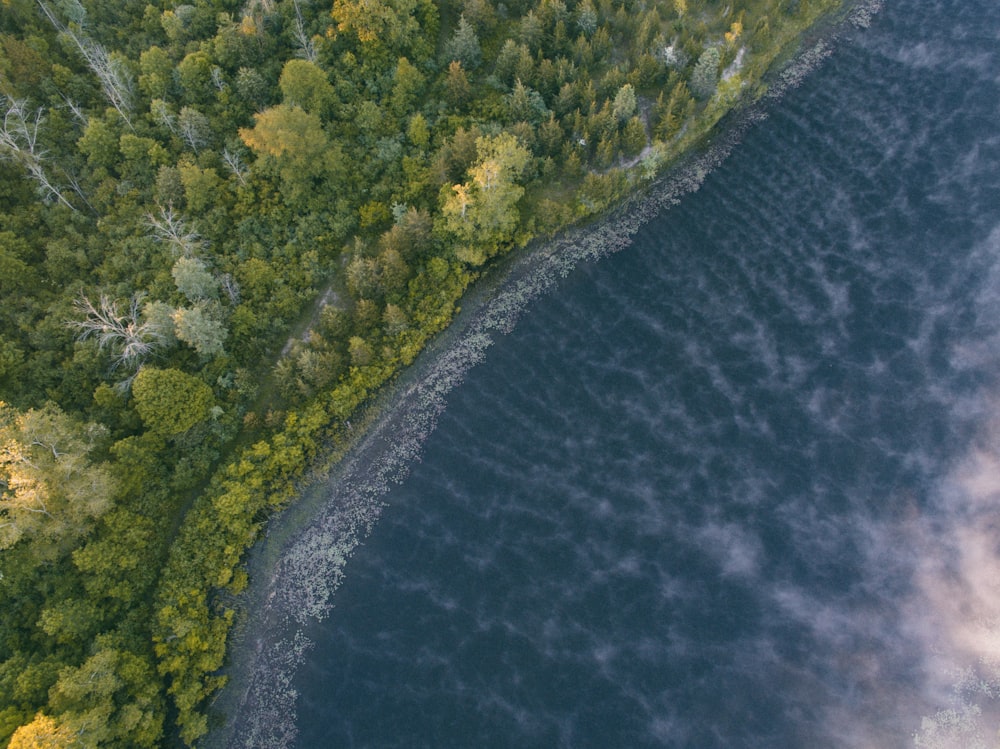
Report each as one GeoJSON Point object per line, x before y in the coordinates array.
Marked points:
{"type": "Point", "coordinates": [481, 214]}
{"type": "Point", "coordinates": [50, 491]}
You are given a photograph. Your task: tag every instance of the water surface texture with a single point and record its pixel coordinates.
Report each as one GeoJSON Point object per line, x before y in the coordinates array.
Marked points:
{"type": "Point", "coordinates": [736, 486]}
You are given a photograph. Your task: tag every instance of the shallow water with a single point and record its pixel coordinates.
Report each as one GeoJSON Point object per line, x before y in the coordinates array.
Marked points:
{"type": "Point", "coordinates": [737, 484]}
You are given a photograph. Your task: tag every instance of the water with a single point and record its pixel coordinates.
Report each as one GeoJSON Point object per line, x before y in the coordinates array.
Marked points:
{"type": "Point", "coordinates": [735, 486]}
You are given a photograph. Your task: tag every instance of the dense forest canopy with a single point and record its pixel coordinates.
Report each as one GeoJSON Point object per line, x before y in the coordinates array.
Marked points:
{"type": "Point", "coordinates": [185, 188]}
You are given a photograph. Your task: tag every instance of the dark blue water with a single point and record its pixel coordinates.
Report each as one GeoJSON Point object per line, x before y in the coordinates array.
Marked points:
{"type": "Point", "coordinates": [735, 486]}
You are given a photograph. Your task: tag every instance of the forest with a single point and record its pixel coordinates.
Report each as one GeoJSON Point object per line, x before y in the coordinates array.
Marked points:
{"type": "Point", "coordinates": [224, 226]}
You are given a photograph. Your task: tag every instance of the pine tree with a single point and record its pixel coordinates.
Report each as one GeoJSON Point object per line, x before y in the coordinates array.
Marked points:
{"type": "Point", "coordinates": [705, 76]}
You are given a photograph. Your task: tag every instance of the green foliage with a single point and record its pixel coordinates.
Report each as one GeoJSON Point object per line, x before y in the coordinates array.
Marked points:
{"type": "Point", "coordinates": [193, 280]}
{"type": "Point", "coordinates": [170, 401]}
{"type": "Point", "coordinates": [305, 85]}
{"type": "Point", "coordinates": [464, 46]}
{"type": "Point", "coordinates": [705, 76]}
{"type": "Point", "coordinates": [200, 327]}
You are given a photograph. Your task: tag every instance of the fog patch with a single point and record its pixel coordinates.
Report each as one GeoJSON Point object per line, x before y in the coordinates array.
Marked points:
{"type": "Point", "coordinates": [955, 610]}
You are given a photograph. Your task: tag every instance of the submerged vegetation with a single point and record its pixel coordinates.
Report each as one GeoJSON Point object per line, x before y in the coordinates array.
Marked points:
{"type": "Point", "coordinates": [184, 188]}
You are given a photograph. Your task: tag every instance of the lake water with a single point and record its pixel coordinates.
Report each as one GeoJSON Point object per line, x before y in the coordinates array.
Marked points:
{"type": "Point", "coordinates": [736, 485]}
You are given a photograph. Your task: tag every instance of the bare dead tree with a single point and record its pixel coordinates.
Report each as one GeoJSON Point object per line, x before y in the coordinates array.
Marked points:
{"type": "Point", "coordinates": [231, 287]}
{"type": "Point", "coordinates": [217, 78]}
{"type": "Point", "coordinates": [19, 143]}
{"type": "Point", "coordinates": [307, 50]}
{"type": "Point", "coordinates": [123, 331]}
{"type": "Point", "coordinates": [73, 107]}
{"type": "Point", "coordinates": [115, 81]}
{"type": "Point", "coordinates": [170, 227]}
{"type": "Point", "coordinates": [162, 115]}
{"type": "Point", "coordinates": [235, 164]}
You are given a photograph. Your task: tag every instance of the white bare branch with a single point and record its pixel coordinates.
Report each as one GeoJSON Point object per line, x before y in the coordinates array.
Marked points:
{"type": "Point", "coordinates": [235, 164]}
{"type": "Point", "coordinates": [19, 143]}
{"type": "Point", "coordinates": [124, 332]}
{"type": "Point", "coordinates": [307, 50]}
{"type": "Point", "coordinates": [170, 227]}
{"type": "Point", "coordinates": [115, 81]}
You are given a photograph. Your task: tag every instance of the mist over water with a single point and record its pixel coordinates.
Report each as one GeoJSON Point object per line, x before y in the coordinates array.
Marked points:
{"type": "Point", "coordinates": [738, 484]}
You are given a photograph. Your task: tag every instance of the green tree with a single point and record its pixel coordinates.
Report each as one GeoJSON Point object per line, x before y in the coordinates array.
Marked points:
{"type": "Point", "coordinates": [194, 280]}
{"type": "Point", "coordinates": [194, 74]}
{"type": "Point", "coordinates": [457, 90]}
{"type": "Point", "coordinates": [586, 18]}
{"type": "Point", "coordinates": [200, 327]}
{"type": "Point", "coordinates": [705, 76]}
{"type": "Point", "coordinates": [634, 136]}
{"type": "Point", "coordinates": [305, 84]}
{"type": "Point", "coordinates": [156, 73]}
{"type": "Point", "coordinates": [170, 401]}
{"type": "Point", "coordinates": [464, 46]}
{"type": "Point", "coordinates": [625, 103]}
{"type": "Point", "coordinates": [408, 83]}
{"type": "Point", "coordinates": [674, 112]}
{"type": "Point", "coordinates": [201, 186]}
{"type": "Point", "coordinates": [111, 699]}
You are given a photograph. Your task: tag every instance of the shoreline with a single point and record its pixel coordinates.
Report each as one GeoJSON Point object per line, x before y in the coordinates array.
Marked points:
{"type": "Point", "coordinates": [298, 564]}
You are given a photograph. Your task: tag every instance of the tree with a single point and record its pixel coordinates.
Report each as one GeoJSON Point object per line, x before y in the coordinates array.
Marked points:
{"type": "Point", "coordinates": [201, 186]}
{"type": "Point", "coordinates": [156, 73]}
{"type": "Point", "coordinates": [514, 63]}
{"type": "Point", "coordinates": [194, 73]}
{"type": "Point", "coordinates": [292, 141]}
{"type": "Point", "coordinates": [482, 213]}
{"type": "Point", "coordinates": [464, 46]}
{"type": "Point", "coordinates": [200, 328]}
{"type": "Point", "coordinates": [170, 227]}
{"type": "Point", "coordinates": [304, 84]}
{"type": "Point", "coordinates": [530, 31]}
{"type": "Point", "coordinates": [456, 88]}
{"type": "Point", "coordinates": [383, 23]}
{"type": "Point", "coordinates": [625, 103]}
{"type": "Point", "coordinates": [42, 733]}
{"type": "Point", "coordinates": [129, 338]}
{"type": "Point", "coordinates": [634, 136]}
{"type": "Point", "coordinates": [360, 351]}
{"type": "Point", "coordinates": [525, 104]}
{"type": "Point", "coordinates": [169, 401]}
{"type": "Point", "coordinates": [586, 18]}
{"type": "Point", "coordinates": [19, 143]}
{"type": "Point", "coordinates": [673, 113]}
{"type": "Point", "coordinates": [110, 69]}
{"type": "Point", "coordinates": [194, 128]}
{"type": "Point", "coordinates": [194, 280]}
{"type": "Point", "coordinates": [111, 699]}
{"type": "Point", "coordinates": [49, 488]}
{"type": "Point", "coordinates": [408, 82]}
{"type": "Point", "coordinates": [705, 76]}
{"type": "Point", "coordinates": [251, 87]}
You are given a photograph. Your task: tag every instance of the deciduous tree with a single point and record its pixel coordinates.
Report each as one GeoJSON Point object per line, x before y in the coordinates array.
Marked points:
{"type": "Point", "coordinates": [170, 401]}
{"type": "Point", "coordinates": [50, 490]}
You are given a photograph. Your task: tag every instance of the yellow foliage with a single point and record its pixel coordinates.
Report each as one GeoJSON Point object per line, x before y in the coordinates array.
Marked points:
{"type": "Point", "coordinates": [42, 733]}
